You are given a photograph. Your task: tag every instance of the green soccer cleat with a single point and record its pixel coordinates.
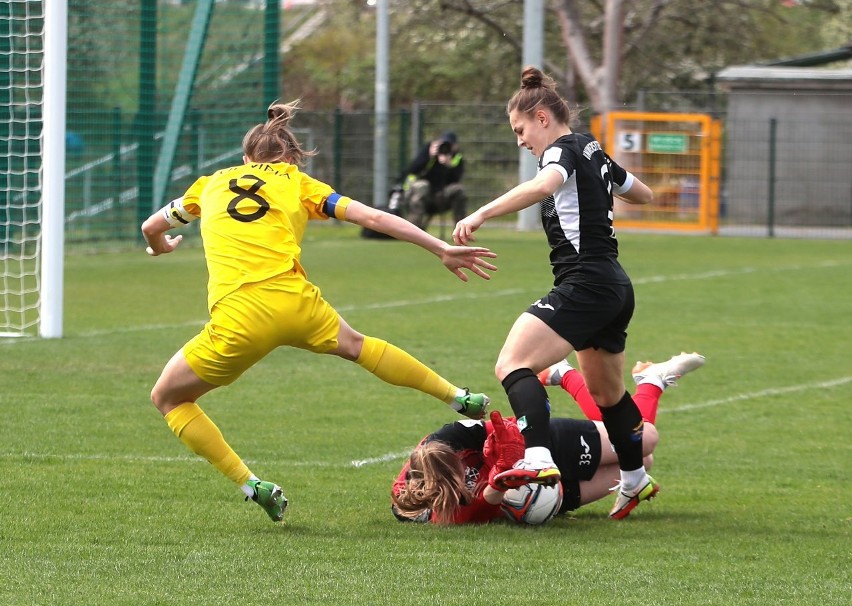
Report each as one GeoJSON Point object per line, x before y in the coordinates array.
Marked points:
{"type": "Point", "coordinates": [625, 502]}
{"type": "Point", "coordinates": [471, 405]}
{"type": "Point", "coordinates": [270, 497]}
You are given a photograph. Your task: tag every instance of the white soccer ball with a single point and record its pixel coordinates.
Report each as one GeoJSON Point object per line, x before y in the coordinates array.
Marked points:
{"type": "Point", "coordinates": [532, 504]}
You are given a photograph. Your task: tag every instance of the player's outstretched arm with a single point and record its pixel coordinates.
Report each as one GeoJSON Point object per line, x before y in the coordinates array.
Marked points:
{"type": "Point", "coordinates": [454, 258]}
{"type": "Point", "coordinates": [154, 230]}
{"type": "Point", "coordinates": [516, 199]}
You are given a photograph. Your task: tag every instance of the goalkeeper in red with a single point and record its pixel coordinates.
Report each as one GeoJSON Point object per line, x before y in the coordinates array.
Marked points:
{"type": "Point", "coordinates": [450, 476]}
{"type": "Point", "coordinates": [253, 217]}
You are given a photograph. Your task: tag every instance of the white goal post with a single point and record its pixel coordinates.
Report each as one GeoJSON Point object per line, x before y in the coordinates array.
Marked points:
{"type": "Point", "coordinates": [33, 41]}
{"type": "Point", "coordinates": [53, 168]}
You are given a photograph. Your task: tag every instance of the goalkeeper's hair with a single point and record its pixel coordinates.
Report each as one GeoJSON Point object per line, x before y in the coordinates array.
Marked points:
{"type": "Point", "coordinates": [435, 481]}
{"type": "Point", "coordinates": [273, 141]}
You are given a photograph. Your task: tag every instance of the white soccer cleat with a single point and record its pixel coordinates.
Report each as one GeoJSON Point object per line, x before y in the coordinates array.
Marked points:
{"type": "Point", "coordinates": [554, 374]}
{"type": "Point", "coordinates": [625, 502]}
{"type": "Point", "coordinates": [528, 472]}
{"type": "Point", "coordinates": [667, 373]}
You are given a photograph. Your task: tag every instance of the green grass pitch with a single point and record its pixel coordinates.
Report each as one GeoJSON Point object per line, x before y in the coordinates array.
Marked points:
{"type": "Point", "coordinates": [101, 505]}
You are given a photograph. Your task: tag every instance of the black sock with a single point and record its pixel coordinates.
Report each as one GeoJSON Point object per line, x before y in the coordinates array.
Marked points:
{"type": "Point", "coordinates": [624, 425]}
{"type": "Point", "coordinates": [529, 402]}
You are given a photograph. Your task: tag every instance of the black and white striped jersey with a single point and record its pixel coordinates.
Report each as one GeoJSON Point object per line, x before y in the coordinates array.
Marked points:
{"type": "Point", "coordinates": [577, 218]}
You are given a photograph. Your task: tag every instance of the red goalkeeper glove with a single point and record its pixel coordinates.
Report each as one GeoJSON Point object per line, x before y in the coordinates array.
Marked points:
{"type": "Point", "coordinates": [503, 448]}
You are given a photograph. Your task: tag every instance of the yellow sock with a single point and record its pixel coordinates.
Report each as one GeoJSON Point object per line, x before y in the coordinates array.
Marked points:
{"type": "Point", "coordinates": [392, 365]}
{"type": "Point", "coordinates": [201, 436]}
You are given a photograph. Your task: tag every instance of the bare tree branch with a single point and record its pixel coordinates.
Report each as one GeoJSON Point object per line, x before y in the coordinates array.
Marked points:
{"type": "Point", "coordinates": [574, 39]}
{"type": "Point", "coordinates": [467, 8]}
{"type": "Point", "coordinates": [638, 32]}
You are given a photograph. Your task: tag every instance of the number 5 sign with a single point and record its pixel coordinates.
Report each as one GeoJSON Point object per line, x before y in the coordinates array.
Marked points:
{"type": "Point", "coordinates": [629, 141]}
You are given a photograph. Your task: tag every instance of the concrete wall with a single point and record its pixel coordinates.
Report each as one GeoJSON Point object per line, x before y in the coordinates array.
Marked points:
{"type": "Point", "coordinates": [813, 145]}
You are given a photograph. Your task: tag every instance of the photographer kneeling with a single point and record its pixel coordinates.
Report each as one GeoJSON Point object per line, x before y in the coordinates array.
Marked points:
{"type": "Point", "coordinates": [433, 182]}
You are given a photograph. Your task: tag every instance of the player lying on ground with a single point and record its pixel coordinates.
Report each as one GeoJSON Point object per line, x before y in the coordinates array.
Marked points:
{"type": "Point", "coordinates": [449, 478]}
{"type": "Point", "coordinates": [253, 217]}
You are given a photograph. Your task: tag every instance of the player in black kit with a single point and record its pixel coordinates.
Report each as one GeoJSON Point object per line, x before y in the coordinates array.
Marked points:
{"type": "Point", "coordinates": [591, 303]}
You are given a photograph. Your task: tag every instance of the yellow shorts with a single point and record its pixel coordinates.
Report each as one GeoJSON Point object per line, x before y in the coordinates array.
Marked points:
{"type": "Point", "coordinates": [250, 322]}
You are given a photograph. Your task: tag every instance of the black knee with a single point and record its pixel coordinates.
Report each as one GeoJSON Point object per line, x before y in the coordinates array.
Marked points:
{"type": "Point", "coordinates": [530, 405]}
{"type": "Point", "coordinates": [624, 424]}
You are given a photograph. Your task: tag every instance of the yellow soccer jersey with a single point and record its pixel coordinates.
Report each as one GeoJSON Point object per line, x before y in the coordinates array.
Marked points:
{"type": "Point", "coordinates": [253, 218]}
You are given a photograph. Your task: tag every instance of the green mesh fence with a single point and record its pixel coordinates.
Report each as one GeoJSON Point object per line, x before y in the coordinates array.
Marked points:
{"type": "Point", "coordinates": [159, 92]}
{"type": "Point", "coordinates": [124, 71]}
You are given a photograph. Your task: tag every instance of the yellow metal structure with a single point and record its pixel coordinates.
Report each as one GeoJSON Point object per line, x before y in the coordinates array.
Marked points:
{"type": "Point", "coordinates": [678, 156]}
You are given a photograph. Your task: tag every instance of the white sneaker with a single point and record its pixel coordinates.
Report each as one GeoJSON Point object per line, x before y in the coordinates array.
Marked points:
{"type": "Point", "coordinates": [554, 374]}
{"type": "Point", "coordinates": [667, 373]}
{"type": "Point", "coordinates": [625, 502]}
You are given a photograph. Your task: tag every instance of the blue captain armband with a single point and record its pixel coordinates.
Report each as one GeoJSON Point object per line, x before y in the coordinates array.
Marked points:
{"type": "Point", "coordinates": [335, 206]}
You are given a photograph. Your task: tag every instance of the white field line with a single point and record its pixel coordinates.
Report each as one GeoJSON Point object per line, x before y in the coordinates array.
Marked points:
{"type": "Point", "coordinates": [775, 391]}
{"type": "Point", "coordinates": [707, 275]}
{"type": "Point", "coordinates": [444, 298]}
{"type": "Point", "coordinates": [340, 308]}
{"type": "Point", "coordinates": [399, 455]}
{"type": "Point", "coordinates": [723, 273]}
{"type": "Point", "coordinates": [27, 455]}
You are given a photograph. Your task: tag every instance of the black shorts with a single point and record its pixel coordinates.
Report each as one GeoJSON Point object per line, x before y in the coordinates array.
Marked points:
{"type": "Point", "coordinates": [576, 448]}
{"type": "Point", "coordinates": [588, 315]}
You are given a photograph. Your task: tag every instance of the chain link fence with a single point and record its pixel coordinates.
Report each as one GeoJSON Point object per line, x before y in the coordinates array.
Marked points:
{"type": "Point", "coordinates": [117, 124]}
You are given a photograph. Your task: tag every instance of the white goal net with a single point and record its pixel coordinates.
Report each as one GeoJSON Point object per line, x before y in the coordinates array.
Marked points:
{"type": "Point", "coordinates": [24, 29]}
{"type": "Point", "coordinates": [21, 90]}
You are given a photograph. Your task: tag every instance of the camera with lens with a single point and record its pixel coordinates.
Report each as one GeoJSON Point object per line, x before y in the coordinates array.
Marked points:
{"type": "Point", "coordinates": [446, 147]}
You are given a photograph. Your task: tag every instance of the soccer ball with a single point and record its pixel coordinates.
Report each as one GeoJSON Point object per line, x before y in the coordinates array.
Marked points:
{"type": "Point", "coordinates": [532, 504]}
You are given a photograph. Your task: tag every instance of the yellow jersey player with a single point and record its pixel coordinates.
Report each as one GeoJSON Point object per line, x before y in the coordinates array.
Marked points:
{"type": "Point", "coordinates": [253, 217]}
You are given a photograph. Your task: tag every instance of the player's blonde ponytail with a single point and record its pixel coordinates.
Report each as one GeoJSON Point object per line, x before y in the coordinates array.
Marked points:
{"type": "Point", "coordinates": [273, 141]}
